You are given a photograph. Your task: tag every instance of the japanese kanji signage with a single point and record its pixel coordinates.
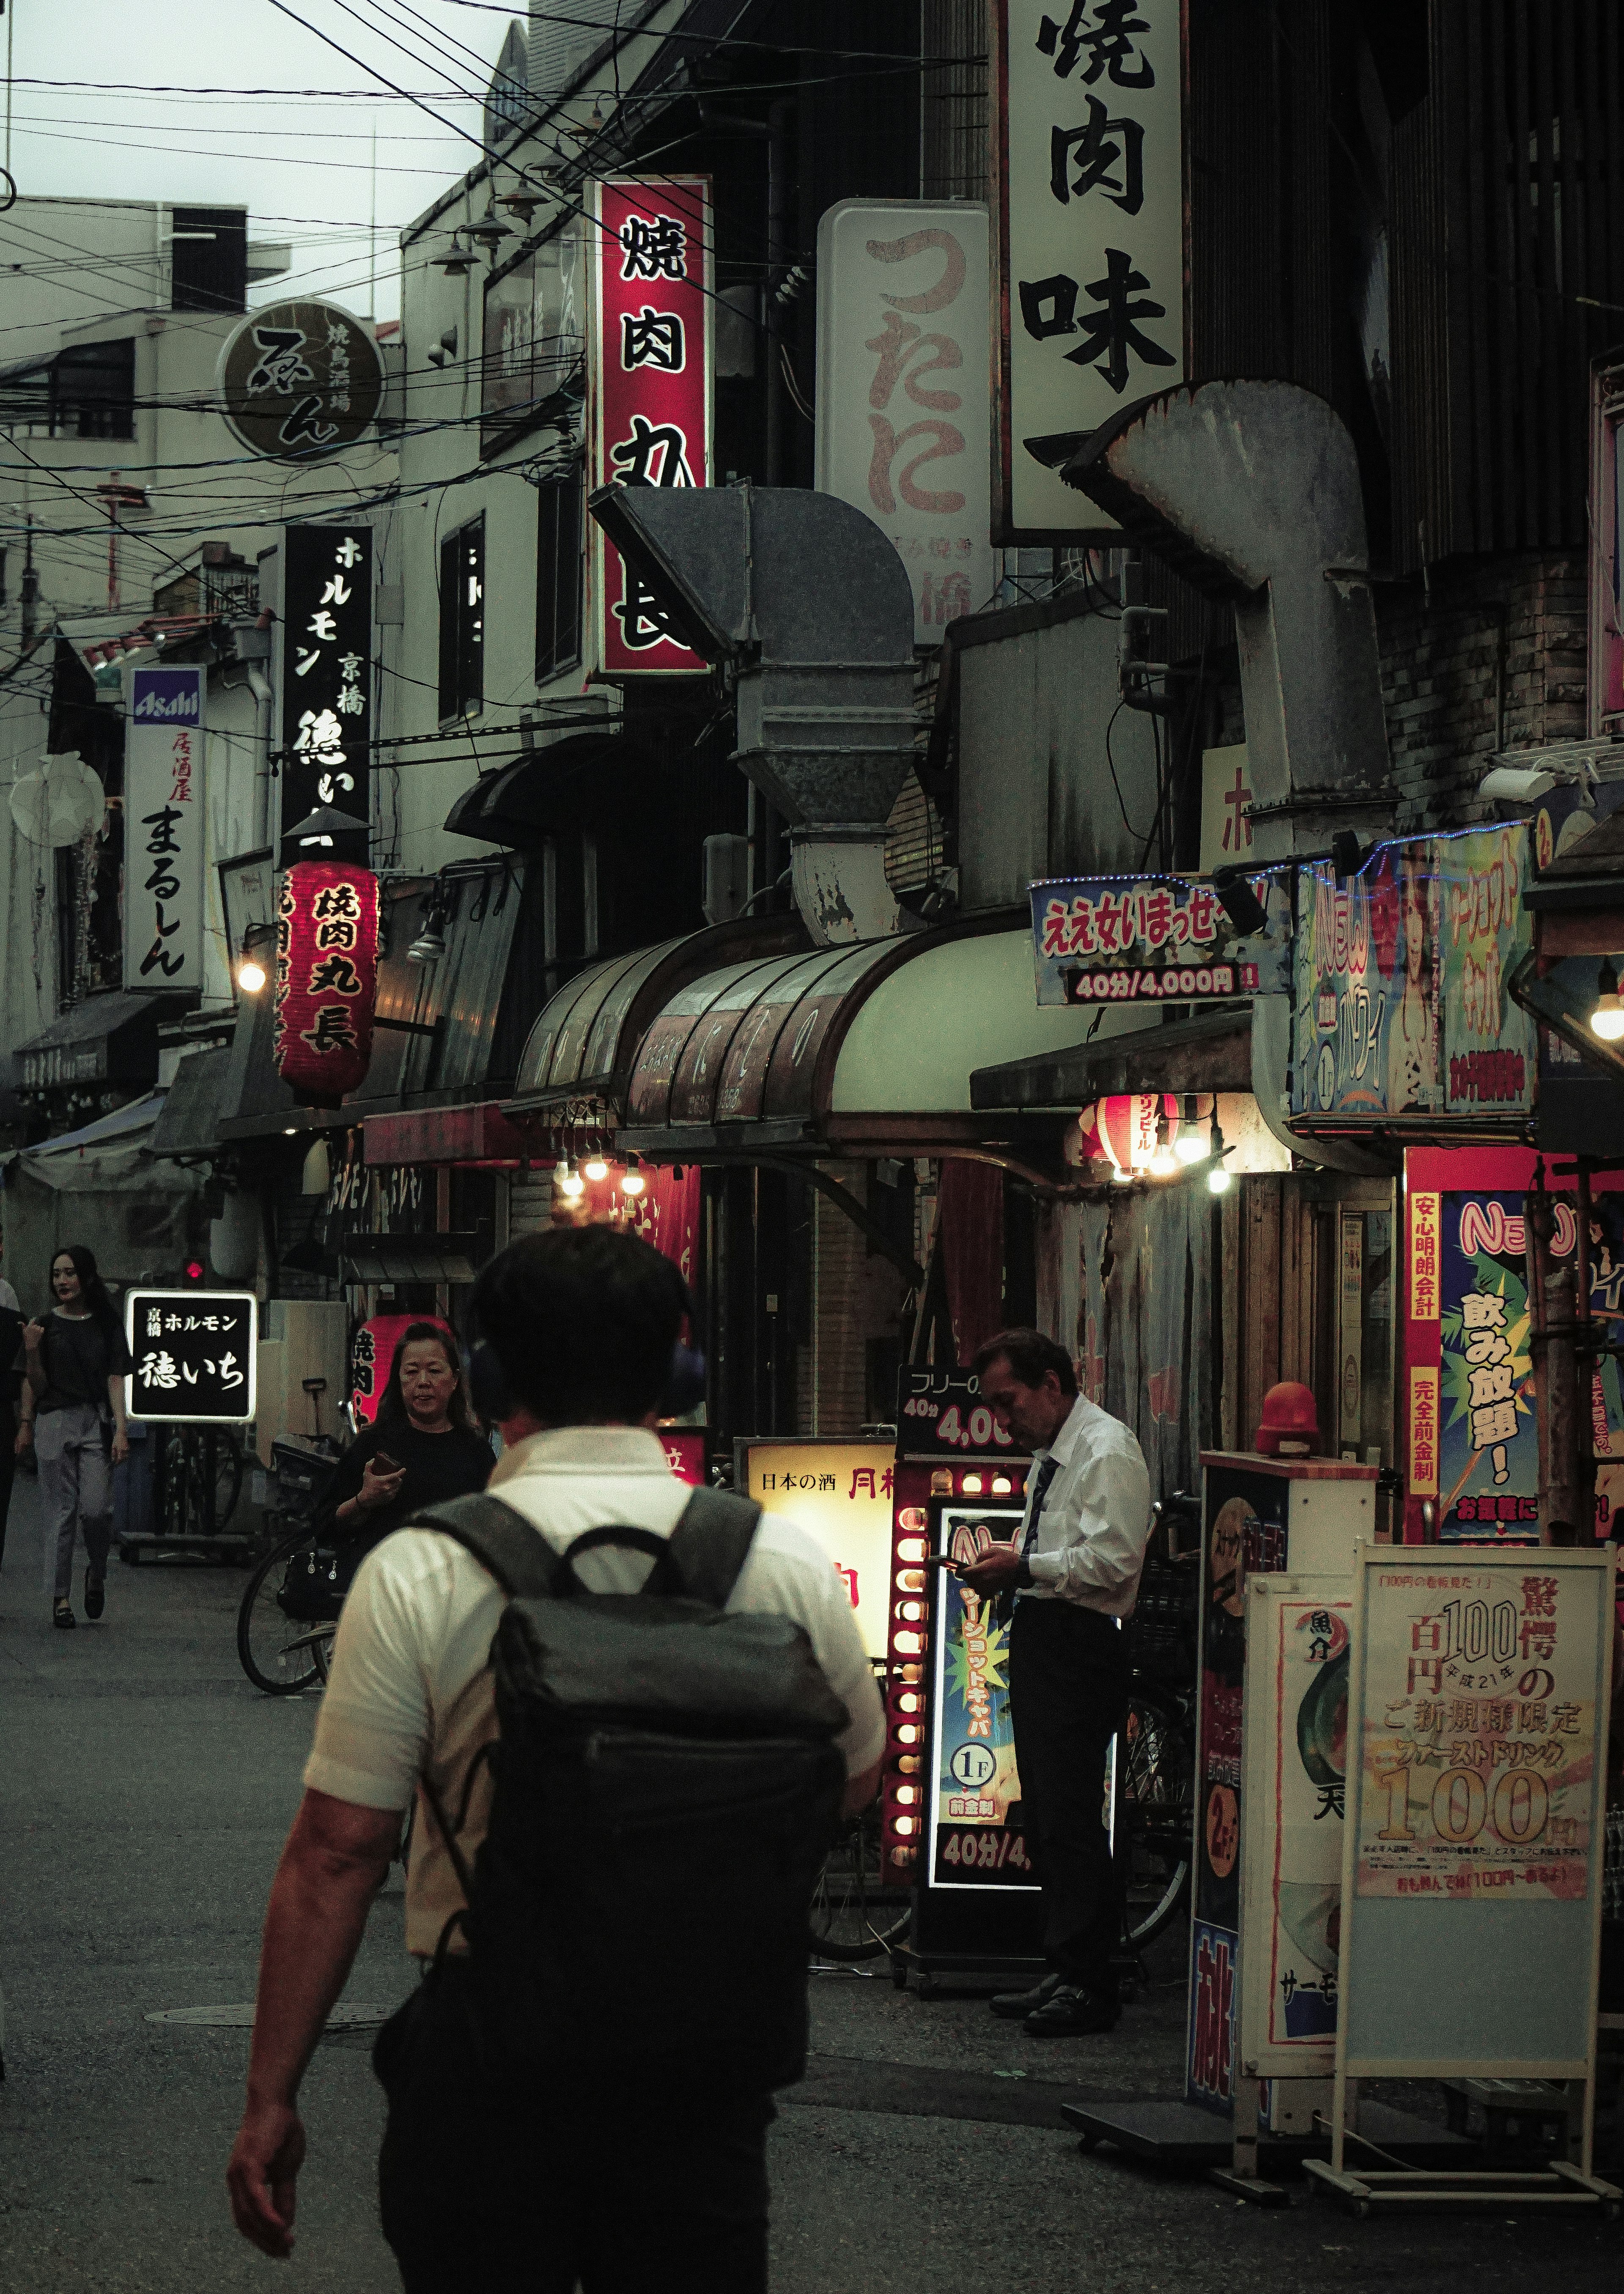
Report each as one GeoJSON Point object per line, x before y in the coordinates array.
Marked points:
{"type": "Point", "coordinates": [940, 1412]}
{"type": "Point", "coordinates": [1089, 197]}
{"type": "Point", "coordinates": [903, 390]}
{"type": "Point", "coordinates": [974, 1780]}
{"type": "Point", "coordinates": [299, 380]}
{"type": "Point", "coordinates": [1472, 1443]}
{"type": "Point", "coordinates": [326, 978]}
{"type": "Point", "coordinates": [193, 1355]}
{"type": "Point", "coordinates": [164, 824]}
{"type": "Point", "coordinates": [842, 1491]}
{"type": "Point", "coordinates": [1479, 1734]}
{"type": "Point", "coordinates": [652, 300]}
{"type": "Point", "coordinates": [1115, 940]}
{"type": "Point", "coordinates": [326, 671]}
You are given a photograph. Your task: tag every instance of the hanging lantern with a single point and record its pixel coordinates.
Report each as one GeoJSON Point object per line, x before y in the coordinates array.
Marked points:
{"type": "Point", "coordinates": [1127, 1126]}
{"type": "Point", "coordinates": [326, 978]}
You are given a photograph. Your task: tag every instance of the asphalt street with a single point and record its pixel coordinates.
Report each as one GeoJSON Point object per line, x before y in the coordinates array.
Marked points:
{"type": "Point", "coordinates": [145, 1789]}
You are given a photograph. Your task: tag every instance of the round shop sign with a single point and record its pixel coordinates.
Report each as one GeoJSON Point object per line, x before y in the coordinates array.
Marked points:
{"type": "Point", "coordinates": [973, 1765]}
{"type": "Point", "coordinates": [300, 380]}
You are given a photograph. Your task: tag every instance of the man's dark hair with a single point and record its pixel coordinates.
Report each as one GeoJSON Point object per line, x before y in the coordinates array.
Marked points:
{"type": "Point", "coordinates": [583, 1322]}
{"type": "Point", "coordinates": [1030, 1355]}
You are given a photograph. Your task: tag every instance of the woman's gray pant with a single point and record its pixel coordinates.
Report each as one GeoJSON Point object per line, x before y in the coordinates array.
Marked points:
{"type": "Point", "coordinates": [75, 1475]}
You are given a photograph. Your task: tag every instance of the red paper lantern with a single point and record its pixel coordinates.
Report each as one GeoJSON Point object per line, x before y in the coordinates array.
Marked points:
{"type": "Point", "coordinates": [1126, 1126]}
{"type": "Point", "coordinates": [326, 978]}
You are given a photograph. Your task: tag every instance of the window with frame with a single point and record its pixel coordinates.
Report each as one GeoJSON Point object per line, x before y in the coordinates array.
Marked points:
{"type": "Point", "coordinates": [558, 576]}
{"type": "Point", "coordinates": [462, 621]}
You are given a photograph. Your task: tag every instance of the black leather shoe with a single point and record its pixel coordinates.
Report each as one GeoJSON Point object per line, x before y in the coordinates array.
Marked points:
{"type": "Point", "coordinates": [1070, 2012]}
{"type": "Point", "coordinates": [62, 1617]}
{"type": "Point", "coordinates": [1017, 2006]}
{"type": "Point", "coordinates": [95, 1595]}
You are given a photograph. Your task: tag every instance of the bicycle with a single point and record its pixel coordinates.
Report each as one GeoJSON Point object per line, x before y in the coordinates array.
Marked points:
{"type": "Point", "coordinates": [853, 1915]}
{"type": "Point", "coordinates": [1155, 1809]}
{"type": "Point", "coordinates": [283, 1641]}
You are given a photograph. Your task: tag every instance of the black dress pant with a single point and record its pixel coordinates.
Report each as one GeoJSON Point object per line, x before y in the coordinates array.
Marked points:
{"type": "Point", "coordinates": [8, 1468]}
{"type": "Point", "coordinates": [619, 2192]}
{"type": "Point", "coordinates": [1068, 1693]}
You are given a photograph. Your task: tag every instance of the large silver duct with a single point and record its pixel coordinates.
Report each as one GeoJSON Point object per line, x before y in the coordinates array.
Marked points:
{"type": "Point", "coordinates": [1250, 491]}
{"type": "Point", "coordinates": [808, 605]}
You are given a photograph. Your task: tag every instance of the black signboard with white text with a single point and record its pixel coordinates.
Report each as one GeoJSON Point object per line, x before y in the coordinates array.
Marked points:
{"type": "Point", "coordinates": [192, 1355]}
{"type": "Point", "coordinates": [941, 1412]}
{"type": "Point", "coordinates": [327, 672]}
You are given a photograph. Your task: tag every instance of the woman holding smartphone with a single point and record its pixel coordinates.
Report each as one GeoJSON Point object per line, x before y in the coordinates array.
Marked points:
{"type": "Point", "coordinates": [422, 1448]}
{"type": "Point", "coordinates": [73, 1413]}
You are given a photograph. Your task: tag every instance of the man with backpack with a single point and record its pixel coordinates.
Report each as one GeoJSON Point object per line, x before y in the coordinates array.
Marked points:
{"type": "Point", "coordinates": [631, 1715]}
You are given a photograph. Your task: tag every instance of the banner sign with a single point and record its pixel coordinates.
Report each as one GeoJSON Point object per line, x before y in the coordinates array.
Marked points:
{"type": "Point", "coordinates": [1295, 1755]}
{"type": "Point", "coordinates": [653, 306]}
{"type": "Point", "coordinates": [1472, 1441]}
{"type": "Point", "coordinates": [841, 1491]}
{"type": "Point", "coordinates": [1403, 1006]}
{"type": "Point", "coordinates": [1480, 1733]}
{"type": "Point", "coordinates": [941, 1411]}
{"type": "Point", "coordinates": [1088, 186]}
{"type": "Point", "coordinates": [974, 1781]}
{"type": "Point", "coordinates": [1150, 940]}
{"type": "Point", "coordinates": [326, 671]}
{"type": "Point", "coordinates": [903, 402]}
{"type": "Point", "coordinates": [165, 827]}
{"type": "Point", "coordinates": [326, 980]}
{"type": "Point", "coordinates": [194, 1356]}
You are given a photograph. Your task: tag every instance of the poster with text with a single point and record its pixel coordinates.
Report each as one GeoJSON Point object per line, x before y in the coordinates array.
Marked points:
{"type": "Point", "coordinates": [165, 826]}
{"type": "Point", "coordinates": [1304, 1678]}
{"type": "Point", "coordinates": [974, 1781]}
{"type": "Point", "coordinates": [842, 1491]}
{"type": "Point", "coordinates": [1479, 1734]}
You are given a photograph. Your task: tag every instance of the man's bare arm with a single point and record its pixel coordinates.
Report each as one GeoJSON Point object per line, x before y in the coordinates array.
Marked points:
{"type": "Point", "coordinates": [335, 1861]}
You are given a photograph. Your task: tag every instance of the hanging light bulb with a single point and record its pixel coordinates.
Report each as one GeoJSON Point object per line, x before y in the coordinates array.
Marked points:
{"type": "Point", "coordinates": [595, 1168]}
{"type": "Point", "coordinates": [1163, 1164]}
{"type": "Point", "coordinates": [1607, 1019]}
{"type": "Point", "coordinates": [1219, 1179]}
{"type": "Point", "coordinates": [569, 1181]}
{"type": "Point", "coordinates": [632, 1181]}
{"type": "Point", "coordinates": [1190, 1146]}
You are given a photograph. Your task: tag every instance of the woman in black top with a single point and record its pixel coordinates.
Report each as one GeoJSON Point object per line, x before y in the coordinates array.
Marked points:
{"type": "Point", "coordinates": [422, 1448]}
{"type": "Point", "coordinates": [73, 1413]}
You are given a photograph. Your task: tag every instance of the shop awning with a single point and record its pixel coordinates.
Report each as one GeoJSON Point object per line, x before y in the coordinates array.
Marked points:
{"type": "Point", "coordinates": [98, 1185]}
{"type": "Point", "coordinates": [450, 1257]}
{"type": "Point", "coordinates": [578, 1061]}
{"type": "Point", "coordinates": [547, 789]}
{"type": "Point", "coordinates": [436, 1026]}
{"type": "Point", "coordinates": [867, 1049]}
{"type": "Point", "coordinates": [1211, 1052]}
{"type": "Point", "coordinates": [189, 1123]}
{"type": "Point", "coordinates": [105, 1039]}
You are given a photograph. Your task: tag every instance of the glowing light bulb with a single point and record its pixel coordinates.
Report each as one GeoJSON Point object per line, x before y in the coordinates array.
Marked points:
{"type": "Point", "coordinates": [1219, 1181]}
{"type": "Point", "coordinates": [633, 1183]}
{"type": "Point", "coordinates": [1000, 1485]}
{"type": "Point", "coordinates": [906, 1796]}
{"type": "Point", "coordinates": [971, 1486]}
{"type": "Point", "coordinates": [595, 1168]}
{"type": "Point", "coordinates": [251, 975]}
{"type": "Point", "coordinates": [1121, 1177]}
{"type": "Point", "coordinates": [571, 1184]}
{"type": "Point", "coordinates": [1189, 1147]}
{"type": "Point", "coordinates": [1607, 1019]}
{"type": "Point", "coordinates": [906, 1825]}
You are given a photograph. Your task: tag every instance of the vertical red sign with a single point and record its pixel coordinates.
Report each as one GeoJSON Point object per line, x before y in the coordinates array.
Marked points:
{"type": "Point", "coordinates": [652, 363]}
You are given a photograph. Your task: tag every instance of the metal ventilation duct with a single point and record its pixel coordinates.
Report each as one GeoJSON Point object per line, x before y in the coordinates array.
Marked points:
{"type": "Point", "coordinates": [808, 606]}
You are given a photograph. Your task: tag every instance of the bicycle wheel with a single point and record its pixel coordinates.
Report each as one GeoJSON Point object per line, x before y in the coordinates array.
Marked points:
{"type": "Point", "coordinates": [853, 1917]}
{"type": "Point", "coordinates": [279, 1652]}
{"type": "Point", "coordinates": [1154, 1814]}
{"type": "Point", "coordinates": [228, 1477]}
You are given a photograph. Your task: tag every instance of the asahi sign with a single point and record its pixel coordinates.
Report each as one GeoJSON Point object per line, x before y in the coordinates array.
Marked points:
{"type": "Point", "coordinates": [903, 393]}
{"type": "Point", "coordinates": [652, 306]}
{"type": "Point", "coordinates": [164, 829]}
{"type": "Point", "coordinates": [300, 380]}
{"type": "Point", "coordinates": [1089, 244]}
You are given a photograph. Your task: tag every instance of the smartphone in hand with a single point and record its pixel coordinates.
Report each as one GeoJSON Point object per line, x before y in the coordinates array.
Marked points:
{"type": "Point", "coordinates": [386, 1464]}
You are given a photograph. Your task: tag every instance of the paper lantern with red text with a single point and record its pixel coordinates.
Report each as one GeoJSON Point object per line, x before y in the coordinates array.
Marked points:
{"type": "Point", "coordinates": [1127, 1125]}
{"type": "Point", "coordinates": [326, 978]}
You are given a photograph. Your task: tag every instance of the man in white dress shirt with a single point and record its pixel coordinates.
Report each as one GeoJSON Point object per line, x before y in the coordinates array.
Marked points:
{"type": "Point", "coordinates": [1071, 1579]}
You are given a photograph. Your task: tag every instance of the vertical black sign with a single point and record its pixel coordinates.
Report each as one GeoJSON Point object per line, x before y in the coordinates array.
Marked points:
{"type": "Point", "coordinates": [326, 671]}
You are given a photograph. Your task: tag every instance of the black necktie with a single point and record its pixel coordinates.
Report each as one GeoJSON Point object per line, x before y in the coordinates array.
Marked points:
{"type": "Point", "coordinates": [1046, 1473]}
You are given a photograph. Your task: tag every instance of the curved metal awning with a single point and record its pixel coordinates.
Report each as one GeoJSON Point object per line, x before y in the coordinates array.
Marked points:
{"type": "Point", "coordinates": [578, 1058]}
{"type": "Point", "coordinates": [546, 789]}
{"type": "Point", "coordinates": [867, 1049]}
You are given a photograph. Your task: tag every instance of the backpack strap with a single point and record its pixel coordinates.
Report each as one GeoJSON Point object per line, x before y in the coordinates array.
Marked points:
{"type": "Point", "coordinates": [499, 1538]}
{"type": "Point", "coordinates": [710, 1543]}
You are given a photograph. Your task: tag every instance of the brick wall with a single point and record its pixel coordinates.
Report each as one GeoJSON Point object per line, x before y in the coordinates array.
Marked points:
{"type": "Point", "coordinates": [1479, 627]}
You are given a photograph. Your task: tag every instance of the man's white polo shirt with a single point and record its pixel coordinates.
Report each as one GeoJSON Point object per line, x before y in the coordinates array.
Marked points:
{"type": "Point", "coordinates": [410, 1688]}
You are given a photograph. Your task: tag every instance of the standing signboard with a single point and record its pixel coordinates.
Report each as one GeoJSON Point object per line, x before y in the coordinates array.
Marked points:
{"type": "Point", "coordinates": [326, 671]}
{"type": "Point", "coordinates": [652, 302]}
{"type": "Point", "coordinates": [1471, 1447]}
{"type": "Point", "coordinates": [903, 402]}
{"type": "Point", "coordinates": [1088, 177]}
{"type": "Point", "coordinates": [165, 822]}
{"type": "Point", "coordinates": [193, 1355]}
{"type": "Point", "coordinates": [974, 1783]}
{"type": "Point", "coordinates": [842, 1491]}
{"type": "Point", "coordinates": [1472, 1873]}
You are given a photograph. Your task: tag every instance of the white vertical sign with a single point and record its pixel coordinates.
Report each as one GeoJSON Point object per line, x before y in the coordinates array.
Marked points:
{"type": "Point", "coordinates": [164, 822]}
{"type": "Point", "coordinates": [1089, 192]}
{"type": "Point", "coordinates": [904, 389]}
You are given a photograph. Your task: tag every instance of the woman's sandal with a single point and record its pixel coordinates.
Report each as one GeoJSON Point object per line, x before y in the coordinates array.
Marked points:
{"type": "Point", "coordinates": [95, 1595]}
{"type": "Point", "coordinates": [63, 1616]}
